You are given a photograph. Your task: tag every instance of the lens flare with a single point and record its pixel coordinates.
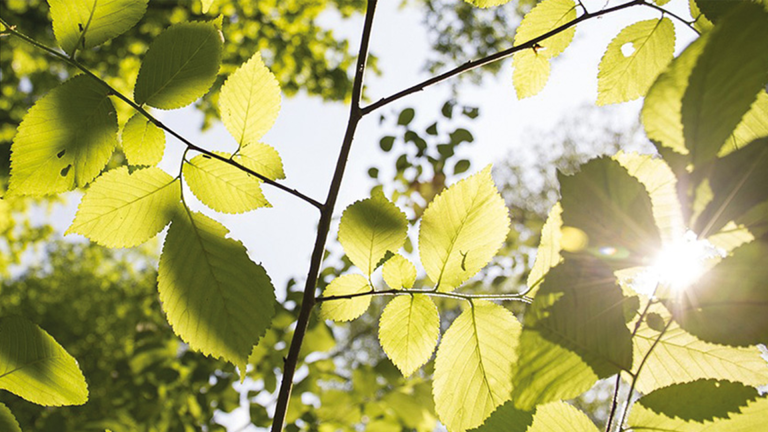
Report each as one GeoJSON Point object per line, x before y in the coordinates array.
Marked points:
{"type": "Point", "coordinates": [681, 263]}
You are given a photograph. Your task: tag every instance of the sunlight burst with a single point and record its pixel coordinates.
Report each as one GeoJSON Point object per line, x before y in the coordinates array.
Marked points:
{"type": "Point", "coordinates": [683, 262]}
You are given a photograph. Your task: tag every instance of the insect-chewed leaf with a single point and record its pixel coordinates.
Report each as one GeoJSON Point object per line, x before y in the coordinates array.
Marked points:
{"type": "Point", "coordinates": [65, 140]}
{"type": "Point", "coordinates": [250, 101]}
{"type": "Point", "coordinates": [729, 305]}
{"type": "Point", "coordinates": [613, 210]}
{"type": "Point", "coordinates": [462, 229]}
{"type": "Point", "coordinates": [408, 331]}
{"type": "Point", "coordinates": [574, 333]}
{"type": "Point", "coordinates": [486, 3]}
{"type": "Point", "coordinates": [180, 66]}
{"type": "Point", "coordinates": [261, 158]}
{"type": "Point", "coordinates": [624, 77]}
{"type": "Point", "coordinates": [7, 420]}
{"type": "Point", "coordinates": [399, 273]}
{"type": "Point", "coordinates": [725, 81]}
{"type": "Point", "coordinates": [680, 357]}
{"type": "Point", "coordinates": [143, 142]}
{"type": "Point", "coordinates": [346, 309]}
{"type": "Point", "coordinates": [217, 299]}
{"type": "Point", "coordinates": [35, 367]}
{"type": "Point", "coordinates": [661, 110]}
{"type": "Point", "coordinates": [704, 405]}
{"type": "Point", "coordinates": [223, 187]}
{"type": "Point", "coordinates": [125, 210]}
{"type": "Point", "coordinates": [545, 17]}
{"type": "Point", "coordinates": [84, 24]}
{"type": "Point", "coordinates": [531, 73]}
{"type": "Point", "coordinates": [369, 228]}
{"type": "Point", "coordinates": [474, 364]}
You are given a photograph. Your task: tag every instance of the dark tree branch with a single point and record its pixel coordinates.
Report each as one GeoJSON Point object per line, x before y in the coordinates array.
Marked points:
{"type": "Point", "coordinates": [395, 292]}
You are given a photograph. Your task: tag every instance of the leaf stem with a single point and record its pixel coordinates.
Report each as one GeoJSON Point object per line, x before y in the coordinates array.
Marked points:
{"type": "Point", "coordinates": [396, 292]}
{"type": "Point", "coordinates": [324, 225]}
{"type": "Point", "coordinates": [663, 11]}
{"type": "Point", "coordinates": [158, 123]}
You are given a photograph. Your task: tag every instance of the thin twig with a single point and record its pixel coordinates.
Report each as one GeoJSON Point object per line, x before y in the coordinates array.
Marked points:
{"type": "Point", "coordinates": [157, 122]}
{"type": "Point", "coordinates": [433, 293]}
{"type": "Point", "coordinates": [689, 24]}
{"type": "Point", "coordinates": [324, 225]}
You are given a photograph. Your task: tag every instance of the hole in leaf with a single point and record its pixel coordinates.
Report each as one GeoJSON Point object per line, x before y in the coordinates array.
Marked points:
{"type": "Point", "coordinates": [65, 170]}
{"type": "Point", "coordinates": [61, 154]}
{"type": "Point", "coordinates": [628, 49]}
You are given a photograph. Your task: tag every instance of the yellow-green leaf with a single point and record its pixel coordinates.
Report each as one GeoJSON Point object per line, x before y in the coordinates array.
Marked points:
{"type": "Point", "coordinates": [125, 210]}
{"type": "Point", "coordinates": [561, 417]}
{"type": "Point", "coordinates": [486, 3]}
{"type": "Point", "coordinates": [207, 5]}
{"type": "Point", "coordinates": [633, 59]}
{"type": "Point", "coordinates": [84, 24]}
{"type": "Point", "coordinates": [261, 158]}
{"type": "Point", "coordinates": [216, 299]}
{"type": "Point", "coordinates": [369, 229]}
{"type": "Point", "coordinates": [462, 229]}
{"type": "Point", "coordinates": [65, 140]}
{"type": "Point", "coordinates": [399, 273]}
{"type": "Point", "coordinates": [474, 364]}
{"type": "Point", "coordinates": [180, 66]}
{"type": "Point", "coordinates": [223, 187]}
{"type": "Point", "coordinates": [250, 101]}
{"type": "Point", "coordinates": [754, 125]}
{"type": "Point", "coordinates": [548, 252]}
{"type": "Point", "coordinates": [8, 422]}
{"type": "Point", "coordinates": [346, 309]}
{"type": "Point", "coordinates": [531, 73]}
{"type": "Point", "coordinates": [35, 367]}
{"type": "Point", "coordinates": [543, 18]}
{"type": "Point", "coordinates": [408, 331]}
{"type": "Point", "coordinates": [143, 142]}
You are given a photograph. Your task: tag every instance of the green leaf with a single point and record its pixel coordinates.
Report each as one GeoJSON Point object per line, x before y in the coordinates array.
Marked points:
{"type": "Point", "coordinates": [548, 252]}
{"type": "Point", "coordinates": [250, 101]}
{"type": "Point", "coordinates": [125, 210]}
{"type": "Point", "coordinates": [561, 417]}
{"type": "Point", "coordinates": [35, 367]}
{"type": "Point", "coordinates": [180, 66]}
{"type": "Point", "coordinates": [369, 228]}
{"type": "Point", "coordinates": [754, 125]}
{"type": "Point", "coordinates": [461, 166]}
{"type": "Point", "coordinates": [531, 73]}
{"type": "Point", "coordinates": [84, 24]}
{"type": "Point", "coordinates": [216, 299]}
{"type": "Point", "coordinates": [223, 187]}
{"type": "Point", "coordinates": [507, 418]}
{"type": "Point", "coordinates": [701, 23]}
{"type": "Point", "coordinates": [661, 110]}
{"type": "Point", "coordinates": [486, 3]}
{"type": "Point", "coordinates": [399, 273]}
{"type": "Point", "coordinates": [65, 140]}
{"type": "Point", "coordinates": [729, 305]}
{"type": "Point", "coordinates": [406, 116]}
{"type": "Point", "coordinates": [624, 77]}
{"type": "Point", "coordinates": [543, 18]}
{"type": "Point", "coordinates": [408, 331]}
{"type": "Point", "coordinates": [261, 158]}
{"type": "Point", "coordinates": [207, 5]}
{"type": "Point", "coordinates": [704, 405]}
{"type": "Point", "coordinates": [613, 210]}
{"type": "Point", "coordinates": [143, 142]}
{"type": "Point", "coordinates": [574, 334]}
{"type": "Point", "coordinates": [725, 81]}
{"type": "Point", "coordinates": [738, 184]}
{"type": "Point", "coordinates": [680, 357]}
{"type": "Point", "coordinates": [8, 422]}
{"type": "Point", "coordinates": [346, 309]}
{"type": "Point", "coordinates": [473, 365]}
{"type": "Point", "coordinates": [462, 229]}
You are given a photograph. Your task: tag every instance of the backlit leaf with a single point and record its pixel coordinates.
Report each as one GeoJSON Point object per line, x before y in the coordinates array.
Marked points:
{"type": "Point", "coordinates": [143, 142]}
{"type": "Point", "coordinates": [180, 66]}
{"type": "Point", "coordinates": [250, 101]}
{"type": "Point", "coordinates": [461, 230]}
{"type": "Point", "coordinates": [8, 422]}
{"type": "Point", "coordinates": [548, 252]}
{"type": "Point", "coordinates": [543, 18]}
{"type": "Point", "coordinates": [65, 140]}
{"type": "Point", "coordinates": [624, 76]}
{"type": "Point", "coordinates": [223, 187]}
{"type": "Point", "coordinates": [217, 299]}
{"type": "Point", "coordinates": [486, 3]}
{"type": "Point", "coordinates": [729, 305]}
{"type": "Point", "coordinates": [399, 273]}
{"type": "Point", "coordinates": [507, 418]}
{"type": "Point", "coordinates": [561, 417]}
{"type": "Point", "coordinates": [261, 158]}
{"type": "Point", "coordinates": [613, 210]}
{"type": "Point", "coordinates": [473, 365]}
{"type": "Point", "coordinates": [346, 309]}
{"type": "Point", "coordinates": [369, 228]}
{"type": "Point", "coordinates": [35, 367]}
{"type": "Point", "coordinates": [125, 210]}
{"type": "Point", "coordinates": [701, 406]}
{"type": "Point", "coordinates": [408, 331]}
{"type": "Point", "coordinates": [754, 125]}
{"type": "Point", "coordinates": [207, 5]}
{"type": "Point", "coordinates": [574, 334]}
{"type": "Point", "coordinates": [725, 81]}
{"type": "Point", "coordinates": [84, 24]}
{"type": "Point", "coordinates": [531, 73]}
